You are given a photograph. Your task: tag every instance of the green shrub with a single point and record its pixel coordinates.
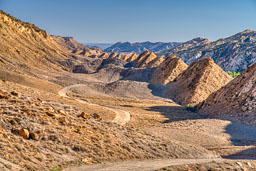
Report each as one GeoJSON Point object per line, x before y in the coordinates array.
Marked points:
{"type": "Point", "coordinates": [233, 74]}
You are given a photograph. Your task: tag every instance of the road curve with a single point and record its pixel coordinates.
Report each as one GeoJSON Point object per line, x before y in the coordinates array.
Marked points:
{"type": "Point", "coordinates": [122, 117]}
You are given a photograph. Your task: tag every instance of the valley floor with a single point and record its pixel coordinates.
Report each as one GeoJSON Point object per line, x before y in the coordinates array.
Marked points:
{"type": "Point", "coordinates": [158, 133]}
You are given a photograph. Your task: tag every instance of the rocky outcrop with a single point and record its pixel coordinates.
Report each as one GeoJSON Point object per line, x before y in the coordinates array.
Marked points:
{"type": "Point", "coordinates": [113, 55]}
{"type": "Point", "coordinates": [168, 70]}
{"type": "Point", "coordinates": [82, 52]}
{"type": "Point", "coordinates": [132, 58]}
{"type": "Point", "coordinates": [145, 59]}
{"type": "Point", "coordinates": [155, 62]}
{"type": "Point", "coordinates": [197, 82]}
{"type": "Point", "coordinates": [125, 56]}
{"type": "Point", "coordinates": [141, 56]}
{"type": "Point", "coordinates": [104, 55]}
{"type": "Point", "coordinates": [239, 96]}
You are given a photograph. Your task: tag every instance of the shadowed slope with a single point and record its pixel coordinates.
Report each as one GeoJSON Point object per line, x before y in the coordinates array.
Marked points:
{"type": "Point", "coordinates": [239, 96]}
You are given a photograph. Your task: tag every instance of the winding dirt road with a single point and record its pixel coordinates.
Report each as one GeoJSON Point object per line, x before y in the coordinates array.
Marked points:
{"type": "Point", "coordinates": [145, 165]}
{"type": "Point", "coordinates": [122, 117]}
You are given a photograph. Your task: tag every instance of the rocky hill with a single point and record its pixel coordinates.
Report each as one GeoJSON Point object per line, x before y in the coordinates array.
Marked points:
{"type": "Point", "coordinates": [148, 60]}
{"type": "Point", "coordinates": [197, 82]}
{"type": "Point", "coordinates": [132, 57]}
{"type": "Point", "coordinates": [239, 96]}
{"type": "Point", "coordinates": [155, 62]}
{"type": "Point", "coordinates": [104, 55]}
{"type": "Point", "coordinates": [141, 56]}
{"type": "Point", "coordinates": [141, 47]}
{"type": "Point", "coordinates": [74, 47]}
{"type": "Point", "coordinates": [26, 48]}
{"type": "Point", "coordinates": [168, 70]}
{"type": "Point", "coordinates": [114, 56]}
{"type": "Point", "coordinates": [235, 53]}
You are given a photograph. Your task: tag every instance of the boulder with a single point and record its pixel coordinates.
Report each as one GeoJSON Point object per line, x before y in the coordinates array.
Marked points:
{"type": "Point", "coordinates": [34, 136]}
{"type": "Point", "coordinates": [63, 120]}
{"type": "Point", "coordinates": [84, 115]}
{"type": "Point", "coordinates": [24, 133]}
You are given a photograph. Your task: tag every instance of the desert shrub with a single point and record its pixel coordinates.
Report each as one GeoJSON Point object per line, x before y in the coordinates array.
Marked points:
{"type": "Point", "coordinates": [233, 74]}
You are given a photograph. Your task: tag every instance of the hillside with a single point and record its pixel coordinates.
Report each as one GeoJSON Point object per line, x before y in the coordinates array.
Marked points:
{"type": "Point", "coordinates": [235, 53]}
{"type": "Point", "coordinates": [148, 60]}
{"type": "Point", "coordinates": [142, 56]}
{"type": "Point", "coordinates": [168, 70]}
{"type": "Point", "coordinates": [197, 82]}
{"type": "Point", "coordinates": [27, 48]}
{"type": "Point", "coordinates": [237, 97]}
{"type": "Point", "coordinates": [132, 57]}
{"type": "Point", "coordinates": [141, 47]}
{"type": "Point", "coordinates": [114, 56]}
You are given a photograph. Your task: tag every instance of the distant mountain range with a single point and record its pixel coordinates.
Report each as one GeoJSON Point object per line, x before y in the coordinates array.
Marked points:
{"type": "Point", "coordinates": [235, 53]}
{"type": "Point", "coordinates": [140, 47]}
{"type": "Point", "coordinates": [98, 45]}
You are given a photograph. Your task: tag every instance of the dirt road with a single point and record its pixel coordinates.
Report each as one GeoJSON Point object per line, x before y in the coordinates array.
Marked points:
{"type": "Point", "coordinates": [122, 117]}
{"type": "Point", "coordinates": [145, 165]}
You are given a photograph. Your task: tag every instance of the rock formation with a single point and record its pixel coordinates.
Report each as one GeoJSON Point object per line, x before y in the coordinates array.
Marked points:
{"type": "Point", "coordinates": [141, 56]}
{"type": "Point", "coordinates": [113, 55]}
{"type": "Point", "coordinates": [132, 58]}
{"type": "Point", "coordinates": [146, 59]}
{"type": "Point", "coordinates": [197, 82]}
{"type": "Point", "coordinates": [168, 70]}
{"type": "Point", "coordinates": [124, 57]}
{"type": "Point", "coordinates": [104, 55]}
{"type": "Point", "coordinates": [155, 62]}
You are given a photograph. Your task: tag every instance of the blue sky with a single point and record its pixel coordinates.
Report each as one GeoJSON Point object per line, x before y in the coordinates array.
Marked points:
{"type": "Point", "coordinates": [136, 20]}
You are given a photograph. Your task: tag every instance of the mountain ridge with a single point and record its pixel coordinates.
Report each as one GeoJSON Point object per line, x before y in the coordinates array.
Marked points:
{"type": "Point", "coordinates": [139, 47]}
{"type": "Point", "coordinates": [234, 53]}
